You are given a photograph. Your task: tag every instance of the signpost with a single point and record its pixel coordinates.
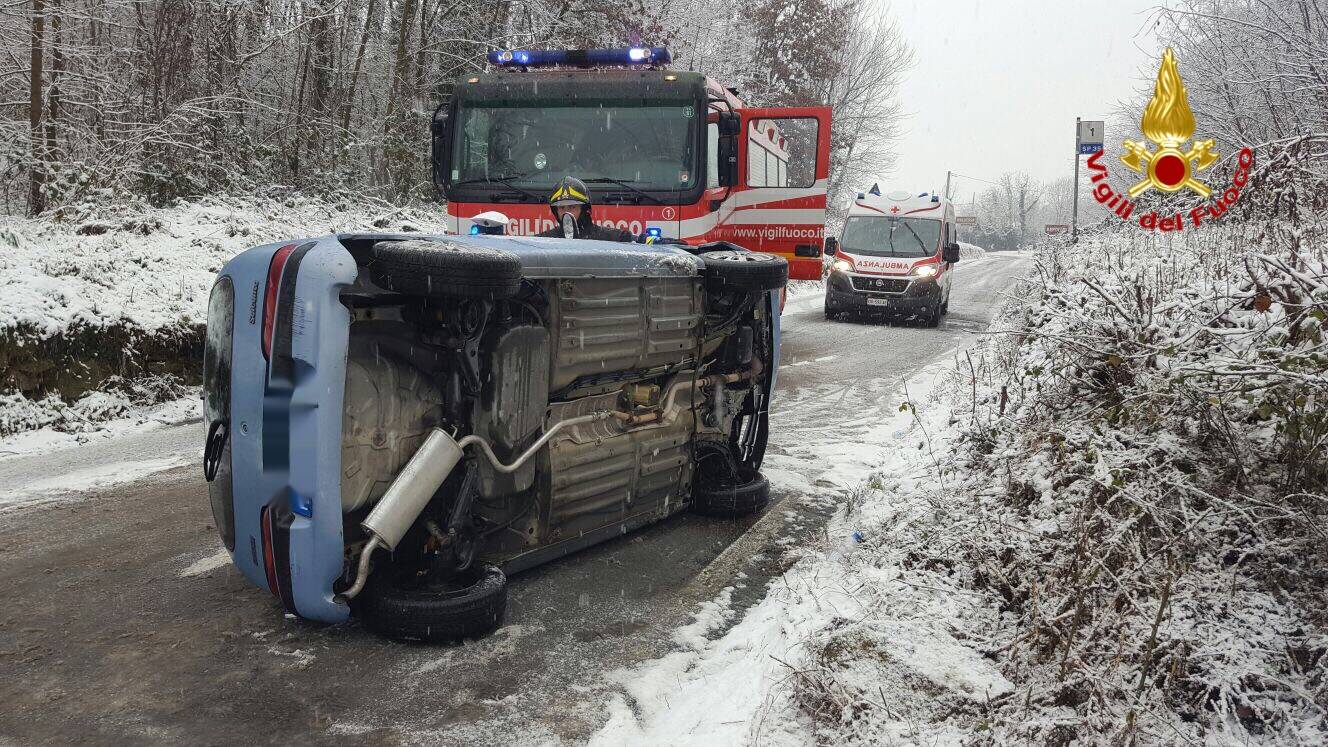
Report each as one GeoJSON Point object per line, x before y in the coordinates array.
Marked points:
{"type": "Point", "coordinates": [1056, 228]}
{"type": "Point", "coordinates": [1088, 139]}
{"type": "Point", "coordinates": [966, 220]}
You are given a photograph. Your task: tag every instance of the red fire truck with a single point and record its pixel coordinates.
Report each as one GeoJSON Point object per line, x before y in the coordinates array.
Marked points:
{"type": "Point", "coordinates": [666, 152]}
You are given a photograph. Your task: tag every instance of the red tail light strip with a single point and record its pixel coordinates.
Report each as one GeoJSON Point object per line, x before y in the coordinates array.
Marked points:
{"type": "Point", "coordinates": [274, 270]}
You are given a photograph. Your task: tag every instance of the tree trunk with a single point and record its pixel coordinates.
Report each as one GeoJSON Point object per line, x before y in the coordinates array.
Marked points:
{"type": "Point", "coordinates": [37, 172]}
{"type": "Point", "coordinates": [359, 62]}
{"type": "Point", "coordinates": [53, 90]}
{"type": "Point", "coordinates": [401, 74]}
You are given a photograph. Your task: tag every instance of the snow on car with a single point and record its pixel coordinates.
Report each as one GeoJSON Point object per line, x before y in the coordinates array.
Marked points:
{"type": "Point", "coordinates": [396, 422]}
{"type": "Point", "coordinates": [896, 255]}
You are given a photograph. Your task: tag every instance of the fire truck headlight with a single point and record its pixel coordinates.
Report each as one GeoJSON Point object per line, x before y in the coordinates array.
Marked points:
{"type": "Point", "coordinates": [925, 271]}
{"type": "Point", "coordinates": [842, 265]}
{"type": "Point", "coordinates": [638, 54]}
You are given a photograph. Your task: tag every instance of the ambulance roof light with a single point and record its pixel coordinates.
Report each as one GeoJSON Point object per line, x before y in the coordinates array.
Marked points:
{"type": "Point", "coordinates": [580, 57]}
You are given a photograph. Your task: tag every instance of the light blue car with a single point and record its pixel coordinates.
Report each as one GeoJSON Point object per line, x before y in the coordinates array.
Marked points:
{"type": "Point", "coordinates": [396, 422]}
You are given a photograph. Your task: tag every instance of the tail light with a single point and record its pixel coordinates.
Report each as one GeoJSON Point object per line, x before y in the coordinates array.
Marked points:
{"type": "Point", "coordinates": [269, 550]}
{"type": "Point", "coordinates": [274, 269]}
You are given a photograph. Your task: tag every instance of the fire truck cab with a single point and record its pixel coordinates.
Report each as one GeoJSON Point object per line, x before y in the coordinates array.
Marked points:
{"type": "Point", "coordinates": [896, 255]}
{"type": "Point", "coordinates": [666, 153]}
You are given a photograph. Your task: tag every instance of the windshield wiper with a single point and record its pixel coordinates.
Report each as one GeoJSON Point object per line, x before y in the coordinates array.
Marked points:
{"type": "Point", "coordinates": [621, 183]}
{"type": "Point", "coordinates": [921, 244]}
{"type": "Point", "coordinates": [506, 181]}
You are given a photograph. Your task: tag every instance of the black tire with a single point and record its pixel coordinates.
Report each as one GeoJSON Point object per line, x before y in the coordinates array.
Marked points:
{"type": "Point", "coordinates": [753, 271]}
{"type": "Point", "coordinates": [405, 610]}
{"type": "Point", "coordinates": [933, 317]}
{"type": "Point", "coordinates": [728, 500]}
{"type": "Point", "coordinates": [420, 267]}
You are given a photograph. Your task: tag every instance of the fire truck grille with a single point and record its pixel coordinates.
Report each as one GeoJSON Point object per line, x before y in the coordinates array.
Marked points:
{"type": "Point", "coordinates": [880, 285]}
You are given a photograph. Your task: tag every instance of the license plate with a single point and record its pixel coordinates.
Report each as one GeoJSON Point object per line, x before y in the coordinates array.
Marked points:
{"type": "Point", "coordinates": [878, 302]}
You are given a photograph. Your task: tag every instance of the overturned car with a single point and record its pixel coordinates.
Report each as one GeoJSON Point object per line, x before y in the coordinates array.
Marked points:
{"type": "Point", "coordinates": [395, 423]}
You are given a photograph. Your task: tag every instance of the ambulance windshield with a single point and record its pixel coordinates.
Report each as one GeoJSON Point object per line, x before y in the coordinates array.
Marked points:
{"type": "Point", "coordinates": [886, 236]}
{"type": "Point", "coordinates": [532, 144]}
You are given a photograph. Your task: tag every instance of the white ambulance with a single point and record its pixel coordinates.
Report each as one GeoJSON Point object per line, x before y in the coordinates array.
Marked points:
{"type": "Point", "coordinates": [896, 255]}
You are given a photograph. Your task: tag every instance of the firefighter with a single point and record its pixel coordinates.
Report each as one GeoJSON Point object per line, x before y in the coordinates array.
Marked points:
{"type": "Point", "coordinates": [572, 198]}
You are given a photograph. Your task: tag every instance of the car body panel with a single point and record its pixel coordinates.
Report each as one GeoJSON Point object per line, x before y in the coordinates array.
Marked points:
{"type": "Point", "coordinates": [287, 416]}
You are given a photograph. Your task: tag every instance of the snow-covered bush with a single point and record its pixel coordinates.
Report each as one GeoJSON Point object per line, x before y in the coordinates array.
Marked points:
{"type": "Point", "coordinates": [1158, 418]}
{"type": "Point", "coordinates": [1129, 507]}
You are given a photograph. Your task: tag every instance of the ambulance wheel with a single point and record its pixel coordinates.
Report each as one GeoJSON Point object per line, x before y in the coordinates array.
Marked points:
{"type": "Point", "coordinates": [419, 267]}
{"type": "Point", "coordinates": [933, 316]}
{"type": "Point", "coordinates": [406, 607]}
{"type": "Point", "coordinates": [752, 271]}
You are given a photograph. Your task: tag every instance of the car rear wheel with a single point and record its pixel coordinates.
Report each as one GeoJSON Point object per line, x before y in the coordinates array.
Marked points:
{"type": "Point", "coordinates": [404, 607]}
{"type": "Point", "coordinates": [743, 270]}
{"type": "Point", "coordinates": [420, 267]}
{"type": "Point", "coordinates": [741, 497]}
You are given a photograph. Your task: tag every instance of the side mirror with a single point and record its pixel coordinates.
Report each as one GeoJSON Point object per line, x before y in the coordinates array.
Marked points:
{"type": "Point", "coordinates": [831, 246]}
{"type": "Point", "coordinates": [727, 160]}
{"type": "Point", "coordinates": [950, 253]}
{"type": "Point", "coordinates": [729, 123]}
{"type": "Point", "coordinates": [438, 131]}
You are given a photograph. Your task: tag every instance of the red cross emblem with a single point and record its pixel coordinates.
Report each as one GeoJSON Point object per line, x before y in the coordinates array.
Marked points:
{"type": "Point", "coordinates": [894, 209]}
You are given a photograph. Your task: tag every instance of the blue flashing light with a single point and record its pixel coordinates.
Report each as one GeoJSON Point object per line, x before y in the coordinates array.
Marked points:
{"type": "Point", "coordinates": [935, 198]}
{"type": "Point", "coordinates": [302, 504]}
{"type": "Point", "coordinates": [475, 230]}
{"type": "Point", "coordinates": [581, 57]}
{"type": "Point", "coordinates": [655, 231]}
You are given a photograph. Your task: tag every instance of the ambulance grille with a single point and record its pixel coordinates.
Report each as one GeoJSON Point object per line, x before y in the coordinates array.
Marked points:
{"type": "Point", "coordinates": [879, 285]}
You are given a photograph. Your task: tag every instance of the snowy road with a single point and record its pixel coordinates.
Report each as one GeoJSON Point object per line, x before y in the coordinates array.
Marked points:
{"type": "Point", "coordinates": [125, 623]}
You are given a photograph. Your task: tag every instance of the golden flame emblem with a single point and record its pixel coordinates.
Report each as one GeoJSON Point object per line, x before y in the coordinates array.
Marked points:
{"type": "Point", "coordinates": [1168, 122]}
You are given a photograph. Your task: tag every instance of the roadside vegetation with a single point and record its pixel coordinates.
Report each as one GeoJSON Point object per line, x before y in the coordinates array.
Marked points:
{"type": "Point", "coordinates": [1126, 511]}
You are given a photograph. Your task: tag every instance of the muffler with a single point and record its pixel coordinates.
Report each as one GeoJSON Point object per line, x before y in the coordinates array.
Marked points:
{"type": "Point", "coordinates": [405, 499]}
{"type": "Point", "coordinates": [410, 492]}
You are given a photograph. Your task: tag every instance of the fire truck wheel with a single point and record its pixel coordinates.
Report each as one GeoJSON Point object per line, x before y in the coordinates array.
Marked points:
{"type": "Point", "coordinates": [445, 269]}
{"type": "Point", "coordinates": [728, 499]}
{"type": "Point", "coordinates": [753, 271]}
{"type": "Point", "coordinates": [401, 606]}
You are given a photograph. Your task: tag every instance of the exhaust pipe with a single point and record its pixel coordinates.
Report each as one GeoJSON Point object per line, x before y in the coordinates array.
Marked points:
{"type": "Point", "coordinates": [405, 498]}
{"type": "Point", "coordinates": [417, 482]}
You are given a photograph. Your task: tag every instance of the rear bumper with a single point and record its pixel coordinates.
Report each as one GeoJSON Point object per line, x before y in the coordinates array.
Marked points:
{"type": "Point", "coordinates": [286, 430]}
{"type": "Point", "coordinates": [920, 295]}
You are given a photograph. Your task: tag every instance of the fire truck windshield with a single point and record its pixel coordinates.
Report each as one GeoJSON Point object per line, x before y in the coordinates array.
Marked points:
{"type": "Point", "coordinates": [628, 147]}
{"type": "Point", "coordinates": [891, 237]}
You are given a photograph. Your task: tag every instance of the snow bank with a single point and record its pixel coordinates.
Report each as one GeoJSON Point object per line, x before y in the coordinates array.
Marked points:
{"type": "Point", "coordinates": [1110, 529]}
{"type": "Point", "coordinates": [109, 296]}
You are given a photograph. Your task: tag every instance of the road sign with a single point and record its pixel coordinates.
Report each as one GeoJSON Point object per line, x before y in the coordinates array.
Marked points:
{"type": "Point", "coordinates": [966, 220]}
{"type": "Point", "coordinates": [1090, 137]}
{"type": "Point", "coordinates": [1055, 228]}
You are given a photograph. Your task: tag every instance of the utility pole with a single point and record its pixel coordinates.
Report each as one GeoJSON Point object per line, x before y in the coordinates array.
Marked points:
{"type": "Point", "coordinates": [947, 184]}
{"type": "Point", "coordinates": [1074, 206]}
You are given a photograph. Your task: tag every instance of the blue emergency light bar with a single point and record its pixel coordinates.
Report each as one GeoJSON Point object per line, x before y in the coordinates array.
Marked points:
{"type": "Point", "coordinates": [580, 57]}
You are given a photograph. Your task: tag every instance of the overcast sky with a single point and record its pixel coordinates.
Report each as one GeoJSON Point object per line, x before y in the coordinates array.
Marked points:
{"type": "Point", "coordinates": [998, 84]}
